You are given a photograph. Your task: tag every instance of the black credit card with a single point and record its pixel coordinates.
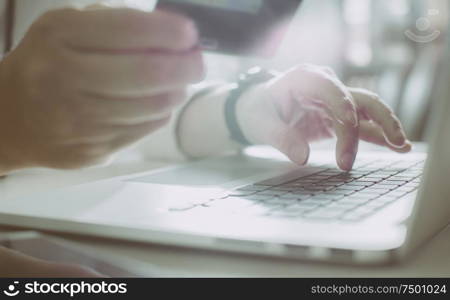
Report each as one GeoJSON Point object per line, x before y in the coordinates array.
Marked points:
{"type": "Point", "coordinates": [238, 27]}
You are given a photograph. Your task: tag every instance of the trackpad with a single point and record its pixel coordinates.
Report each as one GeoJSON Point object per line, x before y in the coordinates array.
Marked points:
{"type": "Point", "coordinates": [215, 171]}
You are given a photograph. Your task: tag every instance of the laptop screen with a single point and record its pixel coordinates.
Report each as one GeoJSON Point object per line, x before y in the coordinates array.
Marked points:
{"type": "Point", "coordinates": [432, 208]}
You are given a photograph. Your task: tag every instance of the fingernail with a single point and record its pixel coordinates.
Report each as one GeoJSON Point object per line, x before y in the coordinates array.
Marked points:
{"type": "Point", "coordinates": [302, 156]}
{"type": "Point", "coordinates": [408, 144]}
{"type": "Point", "coordinates": [399, 141]}
{"type": "Point", "coordinates": [347, 161]}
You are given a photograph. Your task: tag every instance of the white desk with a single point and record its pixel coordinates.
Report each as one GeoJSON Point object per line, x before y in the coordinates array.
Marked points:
{"type": "Point", "coordinates": [431, 260]}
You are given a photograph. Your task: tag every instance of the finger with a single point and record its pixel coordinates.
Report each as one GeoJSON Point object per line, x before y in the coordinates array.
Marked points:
{"type": "Point", "coordinates": [119, 29]}
{"type": "Point", "coordinates": [115, 110]}
{"type": "Point", "coordinates": [347, 145]}
{"type": "Point", "coordinates": [93, 139]}
{"type": "Point", "coordinates": [371, 105]}
{"type": "Point", "coordinates": [96, 147]}
{"type": "Point", "coordinates": [374, 134]}
{"type": "Point", "coordinates": [138, 74]}
{"type": "Point", "coordinates": [313, 83]}
{"type": "Point", "coordinates": [290, 142]}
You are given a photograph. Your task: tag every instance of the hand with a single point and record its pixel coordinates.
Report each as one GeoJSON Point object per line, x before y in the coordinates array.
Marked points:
{"type": "Point", "coordinates": [15, 264]}
{"type": "Point", "coordinates": [84, 83]}
{"type": "Point", "coordinates": [309, 103]}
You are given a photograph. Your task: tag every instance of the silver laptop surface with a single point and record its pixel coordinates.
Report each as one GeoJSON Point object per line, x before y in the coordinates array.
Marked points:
{"type": "Point", "coordinates": [259, 203]}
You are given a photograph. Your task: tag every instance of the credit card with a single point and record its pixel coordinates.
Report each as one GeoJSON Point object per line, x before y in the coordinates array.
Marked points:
{"type": "Point", "coordinates": [238, 27]}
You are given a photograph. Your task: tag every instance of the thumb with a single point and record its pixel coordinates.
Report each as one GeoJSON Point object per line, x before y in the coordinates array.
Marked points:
{"type": "Point", "coordinates": [291, 143]}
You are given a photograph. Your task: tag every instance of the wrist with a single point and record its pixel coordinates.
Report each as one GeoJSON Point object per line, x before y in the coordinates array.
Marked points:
{"type": "Point", "coordinates": [242, 106]}
{"type": "Point", "coordinates": [202, 129]}
{"type": "Point", "coordinates": [249, 110]}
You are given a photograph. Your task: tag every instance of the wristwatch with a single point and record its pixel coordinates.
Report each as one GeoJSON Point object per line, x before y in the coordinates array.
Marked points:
{"type": "Point", "coordinates": [253, 76]}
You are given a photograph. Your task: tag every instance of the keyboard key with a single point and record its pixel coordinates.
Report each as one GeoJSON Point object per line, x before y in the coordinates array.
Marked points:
{"type": "Point", "coordinates": [306, 180]}
{"type": "Point", "coordinates": [376, 176]}
{"type": "Point", "coordinates": [295, 196]}
{"type": "Point", "coordinates": [330, 196]}
{"type": "Point", "coordinates": [272, 193]}
{"type": "Point", "coordinates": [383, 187]}
{"type": "Point", "coordinates": [303, 205]}
{"type": "Point", "coordinates": [330, 183]}
{"type": "Point", "coordinates": [394, 182]}
{"type": "Point", "coordinates": [301, 193]}
{"type": "Point", "coordinates": [280, 201]}
{"type": "Point", "coordinates": [290, 196]}
{"type": "Point", "coordinates": [294, 185]}
{"type": "Point", "coordinates": [401, 178]}
{"type": "Point", "coordinates": [341, 206]}
{"type": "Point", "coordinates": [285, 178]}
{"type": "Point", "coordinates": [376, 190]}
{"type": "Point", "coordinates": [368, 180]}
{"type": "Point", "coordinates": [302, 210]}
{"type": "Point", "coordinates": [362, 197]}
{"type": "Point", "coordinates": [272, 205]}
{"type": "Point", "coordinates": [314, 189]}
{"type": "Point", "coordinates": [282, 188]}
{"type": "Point", "coordinates": [352, 201]}
{"type": "Point", "coordinates": [257, 197]}
{"type": "Point", "coordinates": [343, 191]}
{"type": "Point", "coordinates": [316, 200]}
{"type": "Point", "coordinates": [358, 183]}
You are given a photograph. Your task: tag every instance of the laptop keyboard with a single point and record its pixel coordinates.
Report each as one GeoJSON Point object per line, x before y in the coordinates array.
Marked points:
{"type": "Point", "coordinates": [328, 194]}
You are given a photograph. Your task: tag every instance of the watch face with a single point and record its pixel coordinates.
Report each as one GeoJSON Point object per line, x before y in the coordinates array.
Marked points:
{"type": "Point", "coordinates": [238, 27]}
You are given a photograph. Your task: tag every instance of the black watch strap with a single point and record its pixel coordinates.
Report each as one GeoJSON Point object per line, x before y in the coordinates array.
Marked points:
{"type": "Point", "coordinates": [252, 77]}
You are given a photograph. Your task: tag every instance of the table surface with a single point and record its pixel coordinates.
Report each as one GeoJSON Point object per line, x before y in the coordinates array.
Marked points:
{"type": "Point", "coordinates": [431, 260]}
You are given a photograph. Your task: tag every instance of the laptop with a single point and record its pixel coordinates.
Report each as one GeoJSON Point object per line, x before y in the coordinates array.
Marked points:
{"type": "Point", "coordinates": [260, 204]}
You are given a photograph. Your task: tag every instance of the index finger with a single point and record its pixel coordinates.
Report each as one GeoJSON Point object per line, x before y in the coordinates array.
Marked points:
{"type": "Point", "coordinates": [346, 146]}
{"type": "Point", "coordinates": [115, 29]}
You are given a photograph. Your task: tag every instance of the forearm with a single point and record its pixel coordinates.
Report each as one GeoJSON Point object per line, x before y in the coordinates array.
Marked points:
{"type": "Point", "coordinates": [202, 128]}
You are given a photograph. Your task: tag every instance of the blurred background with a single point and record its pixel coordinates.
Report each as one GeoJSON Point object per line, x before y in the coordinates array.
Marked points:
{"type": "Point", "coordinates": [392, 47]}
